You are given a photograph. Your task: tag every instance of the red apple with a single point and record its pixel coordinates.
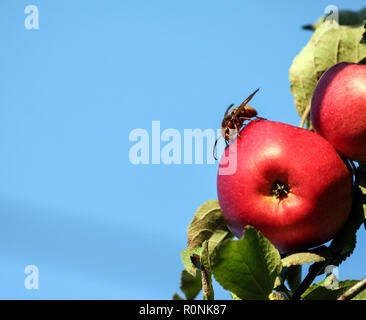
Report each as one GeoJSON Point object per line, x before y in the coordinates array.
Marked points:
{"type": "Point", "coordinates": [338, 109]}
{"type": "Point", "coordinates": [289, 183]}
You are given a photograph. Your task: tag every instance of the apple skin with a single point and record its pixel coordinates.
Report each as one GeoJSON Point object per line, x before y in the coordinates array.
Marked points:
{"type": "Point", "coordinates": [319, 185]}
{"type": "Point", "coordinates": [338, 109]}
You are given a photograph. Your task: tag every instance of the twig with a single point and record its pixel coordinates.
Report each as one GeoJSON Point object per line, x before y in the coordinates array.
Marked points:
{"type": "Point", "coordinates": [354, 290]}
{"type": "Point", "coordinates": [314, 270]}
{"type": "Point", "coordinates": [206, 287]}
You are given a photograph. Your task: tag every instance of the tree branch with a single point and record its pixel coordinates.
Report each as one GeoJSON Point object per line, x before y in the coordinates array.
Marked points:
{"type": "Point", "coordinates": [354, 290]}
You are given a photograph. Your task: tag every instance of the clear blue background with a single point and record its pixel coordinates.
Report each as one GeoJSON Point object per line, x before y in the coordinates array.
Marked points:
{"type": "Point", "coordinates": [71, 203]}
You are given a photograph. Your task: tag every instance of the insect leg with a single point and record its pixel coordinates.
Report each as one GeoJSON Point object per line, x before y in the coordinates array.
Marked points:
{"type": "Point", "coordinates": [214, 148]}
{"type": "Point", "coordinates": [237, 129]}
{"type": "Point", "coordinates": [227, 110]}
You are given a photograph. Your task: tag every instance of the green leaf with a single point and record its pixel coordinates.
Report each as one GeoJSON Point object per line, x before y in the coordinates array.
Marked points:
{"type": "Point", "coordinates": [352, 18]}
{"type": "Point", "coordinates": [363, 190]}
{"type": "Point", "coordinates": [363, 40]}
{"type": "Point", "coordinates": [345, 241]}
{"type": "Point", "coordinates": [345, 18]}
{"type": "Point", "coordinates": [361, 175]}
{"type": "Point", "coordinates": [360, 296]}
{"type": "Point", "coordinates": [176, 296]}
{"type": "Point", "coordinates": [327, 47]}
{"type": "Point", "coordinates": [209, 246]}
{"type": "Point", "coordinates": [327, 289]}
{"type": "Point", "coordinates": [315, 255]}
{"type": "Point", "coordinates": [207, 225]}
{"type": "Point", "coordinates": [217, 238]}
{"type": "Point", "coordinates": [247, 267]}
{"type": "Point", "coordinates": [206, 231]}
{"type": "Point", "coordinates": [206, 257]}
{"type": "Point", "coordinates": [293, 277]}
{"type": "Point", "coordinates": [187, 262]}
{"type": "Point", "coordinates": [234, 296]}
{"type": "Point", "coordinates": [334, 45]}
{"type": "Point", "coordinates": [207, 221]}
{"type": "Point", "coordinates": [190, 285]}
{"type": "Point", "coordinates": [303, 77]}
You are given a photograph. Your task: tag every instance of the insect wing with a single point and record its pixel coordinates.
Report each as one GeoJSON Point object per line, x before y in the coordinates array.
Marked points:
{"type": "Point", "coordinates": [244, 103]}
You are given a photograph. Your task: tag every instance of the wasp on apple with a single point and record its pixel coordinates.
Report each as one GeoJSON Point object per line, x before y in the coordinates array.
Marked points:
{"type": "Point", "coordinates": [235, 120]}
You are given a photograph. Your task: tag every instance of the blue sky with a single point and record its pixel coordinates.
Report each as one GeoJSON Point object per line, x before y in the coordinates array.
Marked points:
{"type": "Point", "coordinates": [71, 203]}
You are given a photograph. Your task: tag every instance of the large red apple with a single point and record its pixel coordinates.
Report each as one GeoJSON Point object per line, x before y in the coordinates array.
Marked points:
{"type": "Point", "coordinates": [289, 183]}
{"type": "Point", "coordinates": [338, 109]}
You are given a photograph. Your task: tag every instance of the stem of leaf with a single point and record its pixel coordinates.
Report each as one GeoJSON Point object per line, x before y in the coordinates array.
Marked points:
{"type": "Point", "coordinates": [305, 116]}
